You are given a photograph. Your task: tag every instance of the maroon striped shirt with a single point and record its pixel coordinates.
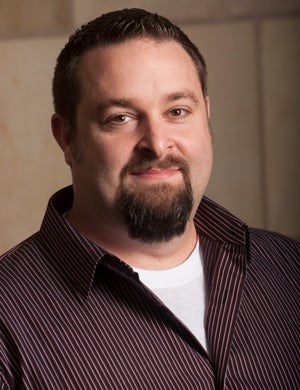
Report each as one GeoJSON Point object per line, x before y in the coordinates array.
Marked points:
{"type": "Point", "coordinates": [75, 317]}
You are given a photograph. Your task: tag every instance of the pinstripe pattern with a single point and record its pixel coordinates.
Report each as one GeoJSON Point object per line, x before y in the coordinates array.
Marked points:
{"type": "Point", "coordinates": [75, 317]}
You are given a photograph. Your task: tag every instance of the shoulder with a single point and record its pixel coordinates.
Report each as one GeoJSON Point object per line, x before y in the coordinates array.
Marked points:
{"type": "Point", "coordinates": [22, 251]}
{"type": "Point", "coordinates": [274, 258]}
{"type": "Point", "coordinates": [20, 263]}
{"type": "Point", "coordinates": [273, 243]}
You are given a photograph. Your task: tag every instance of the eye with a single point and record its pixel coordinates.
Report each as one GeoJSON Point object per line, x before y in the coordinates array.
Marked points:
{"type": "Point", "coordinates": [119, 121]}
{"type": "Point", "coordinates": [178, 112]}
{"type": "Point", "coordinates": [121, 118]}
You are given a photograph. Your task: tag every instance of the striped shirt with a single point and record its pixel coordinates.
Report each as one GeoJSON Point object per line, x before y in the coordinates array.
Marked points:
{"type": "Point", "coordinates": [75, 317]}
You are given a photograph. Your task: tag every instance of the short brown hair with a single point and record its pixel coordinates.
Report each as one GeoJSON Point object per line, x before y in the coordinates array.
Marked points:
{"type": "Point", "coordinates": [113, 28]}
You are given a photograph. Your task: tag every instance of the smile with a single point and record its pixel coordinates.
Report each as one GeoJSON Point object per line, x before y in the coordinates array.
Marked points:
{"type": "Point", "coordinates": [157, 173]}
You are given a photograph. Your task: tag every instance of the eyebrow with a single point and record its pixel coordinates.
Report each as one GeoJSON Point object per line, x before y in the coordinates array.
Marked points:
{"type": "Point", "coordinates": [115, 103]}
{"type": "Point", "coordinates": [182, 95]}
{"type": "Point", "coordinates": [131, 103]}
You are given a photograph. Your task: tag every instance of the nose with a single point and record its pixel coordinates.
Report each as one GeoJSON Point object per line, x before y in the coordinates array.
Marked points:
{"type": "Point", "coordinates": [155, 139]}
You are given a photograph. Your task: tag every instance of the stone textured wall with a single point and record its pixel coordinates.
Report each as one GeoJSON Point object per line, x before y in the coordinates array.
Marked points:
{"type": "Point", "coordinates": [253, 54]}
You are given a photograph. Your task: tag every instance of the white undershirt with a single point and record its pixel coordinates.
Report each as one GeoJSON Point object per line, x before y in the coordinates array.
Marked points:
{"type": "Point", "coordinates": [181, 289]}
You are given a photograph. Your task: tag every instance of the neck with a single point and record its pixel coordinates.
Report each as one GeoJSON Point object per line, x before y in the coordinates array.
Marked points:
{"type": "Point", "coordinates": [158, 256]}
{"type": "Point", "coordinates": [113, 237]}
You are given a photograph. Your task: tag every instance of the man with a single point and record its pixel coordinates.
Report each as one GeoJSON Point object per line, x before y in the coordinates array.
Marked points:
{"type": "Point", "coordinates": [135, 281]}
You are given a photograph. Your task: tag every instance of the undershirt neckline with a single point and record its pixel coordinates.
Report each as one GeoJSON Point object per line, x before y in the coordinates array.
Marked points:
{"type": "Point", "coordinates": [184, 273]}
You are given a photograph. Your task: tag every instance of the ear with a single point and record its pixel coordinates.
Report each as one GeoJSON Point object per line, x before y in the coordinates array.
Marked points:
{"type": "Point", "coordinates": [207, 104]}
{"type": "Point", "coordinates": [61, 131]}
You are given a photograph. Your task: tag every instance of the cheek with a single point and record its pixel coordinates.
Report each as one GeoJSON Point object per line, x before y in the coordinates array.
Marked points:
{"type": "Point", "coordinates": [200, 148]}
{"type": "Point", "coordinates": [201, 160]}
{"type": "Point", "coordinates": [110, 159]}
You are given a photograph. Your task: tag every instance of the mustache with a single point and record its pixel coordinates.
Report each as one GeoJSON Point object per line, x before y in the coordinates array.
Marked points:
{"type": "Point", "coordinates": [139, 164]}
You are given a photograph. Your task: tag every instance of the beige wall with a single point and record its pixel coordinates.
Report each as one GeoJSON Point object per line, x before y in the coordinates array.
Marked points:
{"type": "Point", "coordinates": [253, 54]}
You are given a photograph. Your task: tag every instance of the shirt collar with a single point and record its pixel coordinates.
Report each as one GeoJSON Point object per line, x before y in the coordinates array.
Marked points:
{"type": "Point", "coordinates": [218, 224]}
{"type": "Point", "coordinates": [77, 256]}
{"type": "Point", "coordinates": [70, 251]}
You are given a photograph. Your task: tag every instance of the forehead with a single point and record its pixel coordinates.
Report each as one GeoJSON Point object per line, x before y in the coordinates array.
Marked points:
{"type": "Point", "coordinates": [141, 50]}
{"type": "Point", "coordinates": [137, 64]}
{"type": "Point", "coordinates": [134, 44]}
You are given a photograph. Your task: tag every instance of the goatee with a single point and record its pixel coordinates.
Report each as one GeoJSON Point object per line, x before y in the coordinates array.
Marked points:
{"type": "Point", "coordinates": [159, 212]}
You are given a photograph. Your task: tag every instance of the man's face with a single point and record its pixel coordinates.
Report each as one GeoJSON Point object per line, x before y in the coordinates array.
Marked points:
{"type": "Point", "coordinates": [142, 154]}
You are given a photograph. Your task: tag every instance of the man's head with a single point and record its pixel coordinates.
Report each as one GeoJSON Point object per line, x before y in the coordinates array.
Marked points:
{"type": "Point", "coordinates": [136, 134]}
{"type": "Point", "coordinates": [108, 29]}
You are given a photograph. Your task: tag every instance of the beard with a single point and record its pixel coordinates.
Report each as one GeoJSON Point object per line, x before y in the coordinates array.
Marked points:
{"type": "Point", "coordinates": [159, 212]}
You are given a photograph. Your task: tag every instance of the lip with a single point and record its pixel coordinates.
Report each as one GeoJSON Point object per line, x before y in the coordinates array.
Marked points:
{"type": "Point", "coordinates": [157, 173]}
